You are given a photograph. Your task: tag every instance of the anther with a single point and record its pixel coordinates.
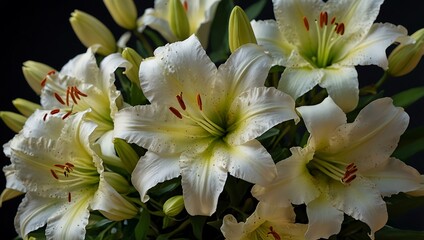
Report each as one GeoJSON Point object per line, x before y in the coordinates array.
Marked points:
{"type": "Point", "coordinates": [54, 111]}
{"type": "Point", "coordinates": [306, 23]}
{"type": "Point", "coordinates": [51, 72]}
{"type": "Point", "coordinates": [176, 112]}
{"type": "Point", "coordinates": [59, 99]}
{"type": "Point", "coordinates": [333, 20]}
{"type": "Point", "coordinates": [66, 115]}
{"type": "Point", "coordinates": [199, 102]}
{"type": "Point", "coordinates": [274, 233]}
{"type": "Point", "coordinates": [181, 101]}
{"type": "Point", "coordinates": [323, 19]}
{"type": "Point", "coordinates": [340, 29]}
{"type": "Point", "coordinates": [73, 95]}
{"type": "Point", "coordinates": [54, 174]}
{"type": "Point", "coordinates": [43, 82]}
{"type": "Point", "coordinates": [69, 197]}
{"type": "Point", "coordinates": [78, 92]}
{"type": "Point", "coordinates": [185, 5]}
{"type": "Point", "coordinates": [45, 117]}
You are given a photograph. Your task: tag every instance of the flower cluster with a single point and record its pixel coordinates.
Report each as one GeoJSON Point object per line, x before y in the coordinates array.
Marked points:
{"type": "Point", "coordinates": [203, 121]}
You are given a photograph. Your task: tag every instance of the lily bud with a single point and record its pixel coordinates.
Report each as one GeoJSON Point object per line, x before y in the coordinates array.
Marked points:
{"type": "Point", "coordinates": [135, 59]}
{"type": "Point", "coordinates": [173, 206]}
{"type": "Point", "coordinates": [126, 153]}
{"type": "Point", "coordinates": [124, 12]}
{"type": "Point", "coordinates": [239, 29]}
{"type": "Point", "coordinates": [118, 182]}
{"type": "Point", "coordinates": [14, 121]}
{"type": "Point", "coordinates": [25, 107]}
{"type": "Point", "coordinates": [34, 73]}
{"type": "Point", "coordinates": [405, 57]}
{"type": "Point", "coordinates": [91, 32]}
{"type": "Point", "coordinates": [178, 20]}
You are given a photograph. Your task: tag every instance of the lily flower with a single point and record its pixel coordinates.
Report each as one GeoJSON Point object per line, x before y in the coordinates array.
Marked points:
{"type": "Point", "coordinates": [199, 13]}
{"type": "Point", "coordinates": [344, 168]}
{"type": "Point", "coordinates": [320, 43]}
{"type": "Point", "coordinates": [63, 177]}
{"type": "Point", "coordinates": [83, 84]}
{"type": "Point", "coordinates": [266, 222]}
{"type": "Point", "coordinates": [202, 121]}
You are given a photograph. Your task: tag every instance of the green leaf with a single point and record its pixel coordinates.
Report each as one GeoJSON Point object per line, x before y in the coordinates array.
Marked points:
{"type": "Point", "coordinates": [218, 49]}
{"type": "Point", "coordinates": [143, 224]}
{"type": "Point", "coordinates": [255, 9]}
{"type": "Point", "coordinates": [408, 97]}
{"type": "Point", "coordinates": [410, 143]}
{"type": "Point", "coordinates": [401, 203]}
{"type": "Point", "coordinates": [197, 223]}
{"type": "Point", "coordinates": [390, 233]}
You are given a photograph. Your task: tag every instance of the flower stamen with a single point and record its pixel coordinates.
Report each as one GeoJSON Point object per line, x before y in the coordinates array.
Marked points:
{"type": "Point", "coordinates": [274, 233]}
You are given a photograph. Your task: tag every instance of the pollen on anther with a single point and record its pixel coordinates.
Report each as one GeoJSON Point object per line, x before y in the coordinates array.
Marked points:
{"type": "Point", "coordinates": [181, 101]}
{"type": "Point", "coordinates": [340, 29]}
{"type": "Point", "coordinates": [58, 98]}
{"type": "Point", "coordinates": [66, 115]}
{"type": "Point", "coordinates": [45, 117]}
{"type": "Point", "coordinates": [43, 82]}
{"type": "Point", "coordinates": [323, 19]}
{"type": "Point", "coordinates": [185, 5]}
{"type": "Point", "coordinates": [51, 72]}
{"type": "Point", "coordinates": [69, 197]}
{"type": "Point", "coordinates": [54, 174]}
{"type": "Point", "coordinates": [176, 112]}
{"type": "Point", "coordinates": [199, 102]}
{"type": "Point", "coordinates": [306, 23]}
{"type": "Point", "coordinates": [54, 111]}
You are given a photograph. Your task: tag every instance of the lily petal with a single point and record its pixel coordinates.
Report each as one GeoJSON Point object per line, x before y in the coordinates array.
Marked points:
{"type": "Point", "coordinates": [342, 86]}
{"type": "Point", "coordinates": [298, 81]}
{"type": "Point", "coordinates": [257, 110]}
{"type": "Point", "coordinates": [154, 168]}
{"type": "Point", "coordinates": [321, 121]}
{"type": "Point", "coordinates": [372, 137]}
{"type": "Point", "coordinates": [324, 219]}
{"type": "Point", "coordinates": [203, 179]}
{"type": "Point", "coordinates": [251, 162]}
{"type": "Point", "coordinates": [360, 200]}
{"type": "Point", "coordinates": [173, 69]}
{"type": "Point", "coordinates": [269, 36]}
{"type": "Point", "coordinates": [292, 175]}
{"type": "Point", "coordinates": [111, 204]}
{"type": "Point", "coordinates": [372, 49]}
{"type": "Point", "coordinates": [157, 129]}
{"type": "Point", "coordinates": [247, 67]}
{"type": "Point", "coordinates": [394, 176]}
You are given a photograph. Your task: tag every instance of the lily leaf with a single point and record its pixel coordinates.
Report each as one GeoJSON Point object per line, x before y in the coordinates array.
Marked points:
{"type": "Point", "coordinates": [408, 97]}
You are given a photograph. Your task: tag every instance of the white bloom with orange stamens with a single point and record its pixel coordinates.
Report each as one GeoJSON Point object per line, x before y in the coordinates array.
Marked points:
{"type": "Point", "coordinates": [344, 168]}
{"type": "Point", "coordinates": [320, 43]}
{"type": "Point", "coordinates": [200, 14]}
{"type": "Point", "coordinates": [63, 177]}
{"type": "Point", "coordinates": [266, 222]}
{"type": "Point", "coordinates": [203, 121]}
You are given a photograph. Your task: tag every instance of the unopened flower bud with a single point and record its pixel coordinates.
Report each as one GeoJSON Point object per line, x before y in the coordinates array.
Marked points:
{"type": "Point", "coordinates": [173, 206]}
{"type": "Point", "coordinates": [92, 32]}
{"type": "Point", "coordinates": [118, 182]}
{"type": "Point", "coordinates": [14, 121]}
{"type": "Point", "coordinates": [25, 107]}
{"type": "Point", "coordinates": [239, 29]}
{"type": "Point", "coordinates": [34, 73]}
{"type": "Point", "coordinates": [135, 59]}
{"type": "Point", "coordinates": [178, 20]}
{"type": "Point", "coordinates": [405, 57]}
{"type": "Point", "coordinates": [124, 12]}
{"type": "Point", "coordinates": [126, 153]}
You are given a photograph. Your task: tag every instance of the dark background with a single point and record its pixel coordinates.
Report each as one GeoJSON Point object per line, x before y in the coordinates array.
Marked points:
{"type": "Point", "coordinates": [40, 31]}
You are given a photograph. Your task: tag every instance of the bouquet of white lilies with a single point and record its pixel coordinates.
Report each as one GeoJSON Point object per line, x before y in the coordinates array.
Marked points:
{"type": "Point", "coordinates": [203, 121]}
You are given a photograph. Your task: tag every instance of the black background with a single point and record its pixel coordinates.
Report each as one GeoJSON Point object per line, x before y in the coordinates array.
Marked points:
{"type": "Point", "coordinates": [40, 31]}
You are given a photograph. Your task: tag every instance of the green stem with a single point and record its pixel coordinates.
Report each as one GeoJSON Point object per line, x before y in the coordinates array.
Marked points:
{"type": "Point", "coordinates": [382, 80]}
{"type": "Point", "coordinates": [281, 135]}
{"type": "Point", "coordinates": [144, 42]}
{"type": "Point", "coordinates": [178, 229]}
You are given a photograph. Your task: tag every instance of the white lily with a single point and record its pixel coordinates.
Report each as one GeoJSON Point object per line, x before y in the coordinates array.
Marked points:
{"type": "Point", "coordinates": [200, 14]}
{"type": "Point", "coordinates": [320, 43]}
{"type": "Point", "coordinates": [81, 84]}
{"type": "Point", "coordinates": [63, 178]}
{"type": "Point", "coordinates": [266, 222]}
{"type": "Point", "coordinates": [344, 168]}
{"type": "Point", "coordinates": [203, 121]}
